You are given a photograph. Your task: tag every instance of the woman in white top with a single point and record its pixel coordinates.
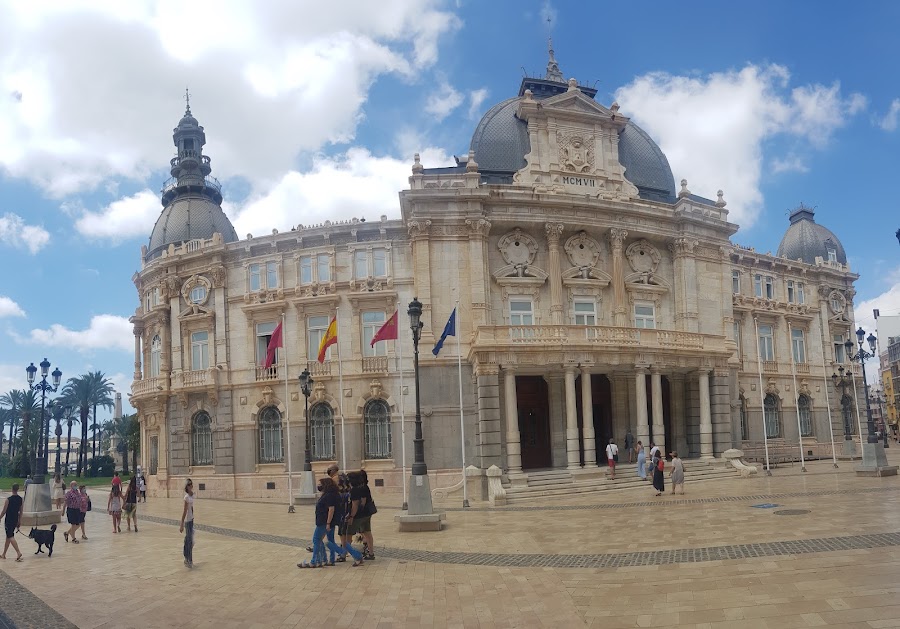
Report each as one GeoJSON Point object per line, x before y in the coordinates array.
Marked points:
{"type": "Point", "coordinates": [59, 492]}
{"type": "Point", "coordinates": [612, 454]}
{"type": "Point", "coordinates": [187, 524]}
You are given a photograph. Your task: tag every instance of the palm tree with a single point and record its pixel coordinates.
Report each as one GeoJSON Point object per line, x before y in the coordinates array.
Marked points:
{"type": "Point", "coordinates": [5, 420]}
{"type": "Point", "coordinates": [78, 394]}
{"type": "Point", "coordinates": [101, 395]}
{"type": "Point", "coordinates": [134, 439]}
{"type": "Point", "coordinates": [12, 400]}
{"type": "Point", "coordinates": [121, 429]}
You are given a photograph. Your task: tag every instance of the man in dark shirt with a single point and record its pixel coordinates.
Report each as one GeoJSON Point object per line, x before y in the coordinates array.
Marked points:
{"type": "Point", "coordinates": [12, 509]}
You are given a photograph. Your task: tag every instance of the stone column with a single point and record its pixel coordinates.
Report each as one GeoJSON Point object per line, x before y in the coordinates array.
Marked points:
{"type": "Point", "coordinates": [706, 436]}
{"type": "Point", "coordinates": [587, 419]}
{"type": "Point", "coordinates": [640, 391]}
{"type": "Point", "coordinates": [419, 231]}
{"type": "Point", "coordinates": [167, 356]}
{"type": "Point", "coordinates": [554, 231]}
{"type": "Point", "coordinates": [656, 402]}
{"type": "Point", "coordinates": [572, 445]}
{"type": "Point", "coordinates": [513, 439]}
{"type": "Point", "coordinates": [490, 429]}
{"type": "Point", "coordinates": [478, 275]}
{"type": "Point", "coordinates": [679, 414]}
{"type": "Point", "coordinates": [137, 352]}
{"type": "Point", "coordinates": [686, 308]}
{"type": "Point", "coordinates": [616, 239]}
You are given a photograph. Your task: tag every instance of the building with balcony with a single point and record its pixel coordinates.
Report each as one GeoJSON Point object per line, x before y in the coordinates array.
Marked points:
{"type": "Point", "coordinates": [594, 298]}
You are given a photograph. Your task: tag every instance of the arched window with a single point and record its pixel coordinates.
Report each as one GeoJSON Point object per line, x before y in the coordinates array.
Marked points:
{"type": "Point", "coordinates": [377, 419]}
{"type": "Point", "coordinates": [321, 426]}
{"type": "Point", "coordinates": [201, 439]}
{"type": "Point", "coordinates": [155, 355]}
{"type": "Point", "coordinates": [803, 404]}
{"type": "Point", "coordinates": [271, 449]}
{"type": "Point", "coordinates": [773, 416]}
{"type": "Point", "coordinates": [745, 428]}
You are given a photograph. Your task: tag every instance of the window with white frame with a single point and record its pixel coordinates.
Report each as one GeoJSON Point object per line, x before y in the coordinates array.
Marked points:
{"type": "Point", "coordinates": [798, 345]}
{"type": "Point", "coordinates": [521, 311]}
{"type": "Point", "coordinates": [198, 294]}
{"type": "Point", "coordinates": [264, 333]}
{"type": "Point", "coordinates": [201, 439]}
{"type": "Point", "coordinates": [271, 444]}
{"type": "Point", "coordinates": [803, 406]}
{"type": "Point", "coordinates": [757, 285]}
{"type": "Point", "coordinates": [585, 311]}
{"type": "Point", "coordinates": [372, 320]}
{"type": "Point", "coordinates": [795, 292]}
{"type": "Point", "coordinates": [772, 416]}
{"type": "Point", "coordinates": [770, 287]}
{"type": "Point", "coordinates": [321, 427]}
{"type": "Point", "coordinates": [790, 291]}
{"type": "Point", "coordinates": [832, 254]}
{"type": "Point", "coordinates": [370, 263]}
{"type": "Point", "coordinates": [315, 268]}
{"type": "Point", "coordinates": [155, 355]}
{"type": "Point", "coordinates": [377, 420]}
{"type": "Point", "coordinates": [199, 350]}
{"type": "Point", "coordinates": [153, 299]}
{"type": "Point", "coordinates": [263, 276]}
{"type": "Point", "coordinates": [644, 315]}
{"type": "Point", "coordinates": [764, 286]}
{"type": "Point", "coordinates": [801, 294]}
{"type": "Point", "coordinates": [766, 342]}
{"type": "Point", "coordinates": [736, 282]}
{"type": "Point", "coordinates": [316, 327]}
{"type": "Point", "coordinates": [839, 354]}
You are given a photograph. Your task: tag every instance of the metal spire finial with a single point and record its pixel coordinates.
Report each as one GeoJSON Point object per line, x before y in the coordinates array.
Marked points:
{"type": "Point", "coordinates": [187, 100]}
{"type": "Point", "coordinates": [553, 71]}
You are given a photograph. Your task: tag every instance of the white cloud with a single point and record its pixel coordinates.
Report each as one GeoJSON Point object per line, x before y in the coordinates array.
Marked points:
{"type": "Point", "coordinates": [888, 303]}
{"type": "Point", "coordinates": [353, 184]}
{"type": "Point", "coordinates": [104, 332]}
{"type": "Point", "coordinates": [889, 122]}
{"type": "Point", "coordinates": [476, 99]}
{"type": "Point", "coordinates": [124, 218]}
{"type": "Point", "coordinates": [16, 233]}
{"type": "Point", "coordinates": [9, 308]}
{"type": "Point", "coordinates": [297, 71]}
{"type": "Point", "coordinates": [712, 127]}
{"type": "Point", "coordinates": [789, 164]}
{"type": "Point", "coordinates": [441, 103]}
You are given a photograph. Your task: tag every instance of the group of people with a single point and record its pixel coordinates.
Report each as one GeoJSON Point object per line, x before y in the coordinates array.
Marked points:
{"type": "Point", "coordinates": [345, 508]}
{"type": "Point", "coordinates": [652, 469]}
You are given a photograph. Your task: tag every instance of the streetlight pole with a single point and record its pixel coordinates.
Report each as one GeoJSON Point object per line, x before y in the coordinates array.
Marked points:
{"type": "Point", "coordinates": [874, 461]}
{"type": "Point", "coordinates": [419, 503]}
{"type": "Point", "coordinates": [44, 437]}
{"type": "Point", "coordinates": [307, 481]}
{"type": "Point", "coordinates": [844, 381]}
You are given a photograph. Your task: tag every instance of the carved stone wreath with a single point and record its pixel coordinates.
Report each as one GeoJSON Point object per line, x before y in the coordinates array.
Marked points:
{"type": "Point", "coordinates": [517, 248]}
{"type": "Point", "coordinates": [582, 250]}
{"type": "Point", "coordinates": [643, 257]}
{"type": "Point", "coordinates": [835, 296]}
{"type": "Point", "coordinates": [191, 284]}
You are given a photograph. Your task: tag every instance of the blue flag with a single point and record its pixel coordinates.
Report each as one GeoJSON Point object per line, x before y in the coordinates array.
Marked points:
{"type": "Point", "coordinates": [449, 330]}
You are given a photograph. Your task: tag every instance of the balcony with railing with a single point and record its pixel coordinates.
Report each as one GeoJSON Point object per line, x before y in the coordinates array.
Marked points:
{"type": "Point", "coordinates": [554, 336]}
{"type": "Point", "coordinates": [198, 378]}
{"type": "Point", "coordinates": [769, 366]}
{"type": "Point", "coordinates": [266, 373]}
{"type": "Point", "coordinates": [148, 386]}
{"type": "Point", "coordinates": [319, 369]}
{"type": "Point", "coordinates": [375, 364]}
{"type": "Point", "coordinates": [802, 368]}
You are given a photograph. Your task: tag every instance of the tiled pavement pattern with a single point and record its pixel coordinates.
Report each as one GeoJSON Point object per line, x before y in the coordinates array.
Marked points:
{"type": "Point", "coordinates": [839, 565]}
{"type": "Point", "coordinates": [20, 609]}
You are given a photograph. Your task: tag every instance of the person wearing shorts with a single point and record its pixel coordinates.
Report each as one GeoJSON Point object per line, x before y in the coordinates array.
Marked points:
{"type": "Point", "coordinates": [612, 453]}
{"type": "Point", "coordinates": [12, 514]}
{"type": "Point", "coordinates": [73, 511]}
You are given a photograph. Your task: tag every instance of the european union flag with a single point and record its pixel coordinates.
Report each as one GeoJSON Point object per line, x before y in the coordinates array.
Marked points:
{"type": "Point", "coordinates": [449, 330]}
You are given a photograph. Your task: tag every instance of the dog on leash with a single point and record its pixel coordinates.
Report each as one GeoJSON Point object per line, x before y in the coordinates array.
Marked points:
{"type": "Point", "coordinates": [43, 538]}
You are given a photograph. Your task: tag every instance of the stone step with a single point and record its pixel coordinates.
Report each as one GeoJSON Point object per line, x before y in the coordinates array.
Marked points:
{"type": "Point", "coordinates": [550, 482]}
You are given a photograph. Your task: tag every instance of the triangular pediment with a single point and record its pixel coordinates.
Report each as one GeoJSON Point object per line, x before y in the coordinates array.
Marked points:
{"type": "Point", "coordinates": [575, 101]}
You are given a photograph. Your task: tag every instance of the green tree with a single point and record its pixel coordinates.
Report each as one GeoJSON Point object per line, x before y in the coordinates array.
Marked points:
{"type": "Point", "coordinates": [70, 419]}
{"type": "Point", "coordinates": [101, 395]}
{"type": "Point", "coordinates": [134, 439]}
{"type": "Point", "coordinates": [12, 401]}
{"type": "Point", "coordinates": [78, 394]}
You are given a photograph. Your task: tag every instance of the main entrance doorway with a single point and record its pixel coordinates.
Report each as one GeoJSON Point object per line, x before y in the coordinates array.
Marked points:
{"type": "Point", "coordinates": [534, 421]}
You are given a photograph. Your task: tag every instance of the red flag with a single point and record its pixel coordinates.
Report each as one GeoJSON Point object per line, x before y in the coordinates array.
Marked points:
{"type": "Point", "coordinates": [387, 332]}
{"type": "Point", "coordinates": [274, 343]}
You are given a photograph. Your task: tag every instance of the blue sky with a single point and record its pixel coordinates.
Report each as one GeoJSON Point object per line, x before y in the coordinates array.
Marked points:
{"type": "Point", "coordinates": [313, 112]}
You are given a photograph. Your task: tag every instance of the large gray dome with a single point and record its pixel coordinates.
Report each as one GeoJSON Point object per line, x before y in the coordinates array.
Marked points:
{"type": "Point", "coordinates": [806, 240]}
{"type": "Point", "coordinates": [501, 142]}
{"type": "Point", "coordinates": [186, 218]}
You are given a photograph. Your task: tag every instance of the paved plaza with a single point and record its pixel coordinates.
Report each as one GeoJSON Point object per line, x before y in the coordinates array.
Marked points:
{"type": "Point", "coordinates": [826, 554]}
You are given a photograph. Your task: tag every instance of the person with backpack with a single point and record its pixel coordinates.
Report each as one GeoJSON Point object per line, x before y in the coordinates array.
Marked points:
{"type": "Point", "coordinates": [370, 509]}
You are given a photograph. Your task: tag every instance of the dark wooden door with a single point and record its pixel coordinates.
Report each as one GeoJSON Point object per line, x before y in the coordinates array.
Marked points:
{"type": "Point", "coordinates": [534, 422]}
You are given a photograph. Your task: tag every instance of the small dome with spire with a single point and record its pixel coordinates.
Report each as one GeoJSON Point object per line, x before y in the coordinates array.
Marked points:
{"type": "Point", "coordinates": [806, 240]}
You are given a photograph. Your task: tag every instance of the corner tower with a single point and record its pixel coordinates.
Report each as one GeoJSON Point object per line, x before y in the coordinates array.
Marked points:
{"type": "Point", "coordinates": [192, 199]}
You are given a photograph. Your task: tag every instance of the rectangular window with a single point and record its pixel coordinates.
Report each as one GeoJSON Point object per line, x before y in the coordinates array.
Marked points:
{"type": "Point", "coordinates": [521, 311]}
{"type": "Point", "coordinates": [199, 351]}
{"type": "Point", "coordinates": [839, 355]}
{"type": "Point", "coordinates": [766, 342]}
{"type": "Point", "coordinates": [644, 315]}
{"type": "Point", "coordinates": [371, 321]}
{"type": "Point", "coordinates": [263, 336]}
{"type": "Point", "coordinates": [770, 287]}
{"type": "Point", "coordinates": [360, 265]}
{"type": "Point", "coordinates": [379, 265]}
{"type": "Point", "coordinates": [585, 312]}
{"type": "Point", "coordinates": [306, 270]}
{"type": "Point", "coordinates": [737, 337]}
{"type": "Point", "coordinates": [323, 267]}
{"type": "Point", "coordinates": [255, 277]}
{"type": "Point", "coordinates": [154, 455]}
{"type": "Point", "coordinates": [315, 330]}
{"type": "Point", "coordinates": [801, 297]}
{"type": "Point", "coordinates": [832, 255]}
{"type": "Point", "coordinates": [798, 345]}
{"type": "Point", "coordinates": [757, 285]}
{"type": "Point", "coordinates": [271, 275]}
{"type": "Point", "coordinates": [736, 282]}
{"type": "Point", "coordinates": [790, 288]}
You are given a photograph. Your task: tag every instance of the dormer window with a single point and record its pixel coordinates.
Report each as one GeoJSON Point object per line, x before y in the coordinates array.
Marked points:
{"type": "Point", "coordinates": [832, 254]}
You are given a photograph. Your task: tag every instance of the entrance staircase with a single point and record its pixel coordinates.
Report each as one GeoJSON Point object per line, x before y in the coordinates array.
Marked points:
{"type": "Point", "coordinates": [546, 484]}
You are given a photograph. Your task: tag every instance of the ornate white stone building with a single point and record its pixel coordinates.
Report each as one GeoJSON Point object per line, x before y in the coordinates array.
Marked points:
{"type": "Point", "coordinates": [594, 297]}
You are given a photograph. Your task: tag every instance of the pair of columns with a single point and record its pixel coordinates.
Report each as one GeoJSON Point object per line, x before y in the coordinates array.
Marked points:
{"type": "Point", "coordinates": [659, 429]}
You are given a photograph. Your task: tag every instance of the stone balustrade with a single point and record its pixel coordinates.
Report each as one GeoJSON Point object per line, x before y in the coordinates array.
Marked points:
{"type": "Point", "coordinates": [148, 386]}
{"type": "Point", "coordinates": [592, 336]}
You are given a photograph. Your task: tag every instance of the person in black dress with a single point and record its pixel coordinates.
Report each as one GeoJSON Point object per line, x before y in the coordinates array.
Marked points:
{"type": "Point", "coordinates": [659, 484]}
{"type": "Point", "coordinates": [12, 509]}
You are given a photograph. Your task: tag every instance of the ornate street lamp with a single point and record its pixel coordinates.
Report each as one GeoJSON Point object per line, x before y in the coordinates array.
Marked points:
{"type": "Point", "coordinates": [307, 481]}
{"type": "Point", "coordinates": [844, 381]}
{"type": "Point", "coordinates": [874, 460]}
{"type": "Point", "coordinates": [44, 437]}
{"type": "Point", "coordinates": [58, 411]}
{"type": "Point", "coordinates": [415, 323]}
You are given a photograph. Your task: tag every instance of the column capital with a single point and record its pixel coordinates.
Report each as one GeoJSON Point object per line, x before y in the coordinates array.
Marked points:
{"type": "Point", "coordinates": [617, 237]}
{"type": "Point", "coordinates": [554, 231]}
{"type": "Point", "coordinates": [511, 369]}
{"type": "Point", "coordinates": [570, 369]}
{"type": "Point", "coordinates": [641, 369]}
{"type": "Point", "coordinates": [586, 369]}
{"type": "Point", "coordinates": [704, 372]}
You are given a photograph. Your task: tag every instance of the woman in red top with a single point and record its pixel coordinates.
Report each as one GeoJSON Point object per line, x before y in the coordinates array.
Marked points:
{"type": "Point", "coordinates": [658, 483]}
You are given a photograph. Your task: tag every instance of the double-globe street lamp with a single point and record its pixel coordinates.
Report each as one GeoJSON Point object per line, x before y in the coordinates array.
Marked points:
{"type": "Point", "coordinates": [844, 381]}
{"type": "Point", "coordinates": [307, 482]}
{"type": "Point", "coordinates": [415, 323]}
{"type": "Point", "coordinates": [874, 460]}
{"type": "Point", "coordinates": [44, 436]}
{"type": "Point", "coordinates": [58, 411]}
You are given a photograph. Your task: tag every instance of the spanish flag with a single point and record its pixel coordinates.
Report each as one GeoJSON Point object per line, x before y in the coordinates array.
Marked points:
{"type": "Point", "coordinates": [328, 340]}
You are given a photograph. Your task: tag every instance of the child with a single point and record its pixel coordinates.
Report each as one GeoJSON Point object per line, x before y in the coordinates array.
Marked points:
{"type": "Point", "coordinates": [114, 507]}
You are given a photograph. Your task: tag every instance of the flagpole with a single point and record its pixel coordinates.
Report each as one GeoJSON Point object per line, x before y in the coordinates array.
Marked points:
{"type": "Point", "coordinates": [287, 408]}
{"type": "Point", "coordinates": [762, 399]}
{"type": "Point", "coordinates": [796, 396]}
{"type": "Point", "coordinates": [402, 415]}
{"type": "Point", "coordinates": [337, 327]}
{"type": "Point", "coordinates": [462, 423]}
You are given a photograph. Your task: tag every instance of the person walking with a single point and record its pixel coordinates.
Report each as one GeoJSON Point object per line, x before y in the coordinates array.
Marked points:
{"type": "Point", "coordinates": [130, 507]}
{"type": "Point", "coordinates": [114, 507]}
{"type": "Point", "coordinates": [116, 480]}
{"type": "Point", "coordinates": [142, 485]}
{"type": "Point", "coordinates": [641, 460]}
{"type": "Point", "coordinates": [651, 459]}
{"type": "Point", "coordinates": [84, 508]}
{"type": "Point", "coordinates": [612, 457]}
{"type": "Point", "coordinates": [629, 444]}
{"type": "Point", "coordinates": [677, 473]}
{"type": "Point", "coordinates": [370, 510]}
{"type": "Point", "coordinates": [187, 524]}
{"type": "Point", "coordinates": [344, 528]}
{"type": "Point", "coordinates": [12, 514]}
{"type": "Point", "coordinates": [59, 492]}
{"type": "Point", "coordinates": [73, 511]}
{"type": "Point", "coordinates": [28, 482]}
{"type": "Point", "coordinates": [659, 483]}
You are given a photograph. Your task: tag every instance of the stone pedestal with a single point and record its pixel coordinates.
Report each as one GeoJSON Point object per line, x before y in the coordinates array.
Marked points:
{"type": "Point", "coordinates": [38, 509]}
{"type": "Point", "coordinates": [874, 461]}
{"type": "Point", "coordinates": [307, 495]}
{"type": "Point", "coordinates": [420, 516]}
{"type": "Point", "coordinates": [848, 449]}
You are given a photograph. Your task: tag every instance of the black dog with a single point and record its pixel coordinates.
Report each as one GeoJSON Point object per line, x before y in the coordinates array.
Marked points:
{"type": "Point", "coordinates": [43, 538]}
